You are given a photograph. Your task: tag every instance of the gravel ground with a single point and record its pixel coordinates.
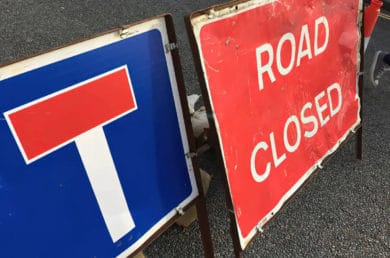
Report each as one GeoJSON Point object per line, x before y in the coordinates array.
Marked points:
{"type": "Point", "coordinates": [343, 211]}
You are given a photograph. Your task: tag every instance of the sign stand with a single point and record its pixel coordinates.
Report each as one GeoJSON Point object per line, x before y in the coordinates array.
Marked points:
{"type": "Point", "coordinates": [212, 138]}
{"type": "Point", "coordinates": [201, 202]}
{"type": "Point", "coordinates": [212, 65]}
{"type": "Point", "coordinates": [359, 133]}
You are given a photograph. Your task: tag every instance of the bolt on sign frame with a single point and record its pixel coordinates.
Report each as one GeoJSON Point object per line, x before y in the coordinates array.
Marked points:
{"type": "Point", "coordinates": [279, 79]}
{"type": "Point", "coordinates": [89, 163]}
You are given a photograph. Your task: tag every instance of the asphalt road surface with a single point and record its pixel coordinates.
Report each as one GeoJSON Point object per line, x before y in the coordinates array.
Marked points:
{"type": "Point", "coordinates": [345, 208]}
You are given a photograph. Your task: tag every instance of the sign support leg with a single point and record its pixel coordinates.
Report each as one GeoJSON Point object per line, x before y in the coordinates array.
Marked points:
{"type": "Point", "coordinates": [359, 134]}
{"type": "Point", "coordinates": [236, 241]}
{"type": "Point", "coordinates": [200, 203]}
{"type": "Point", "coordinates": [204, 228]}
{"type": "Point", "coordinates": [203, 219]}
{"type": "Point", "coordinates": [359, 144]}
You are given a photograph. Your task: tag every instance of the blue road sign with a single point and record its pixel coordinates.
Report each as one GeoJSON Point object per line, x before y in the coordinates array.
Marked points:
{"type": "Point", "coordinates": [92, 147]}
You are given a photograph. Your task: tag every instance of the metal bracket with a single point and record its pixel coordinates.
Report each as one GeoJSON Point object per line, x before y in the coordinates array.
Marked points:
{"type": "Point", "coordinates": [211, 14]}
{"type": "Point", "coordinates": [180, 211]}
{"type": "Point", "coordinates": [259, 228]}
{"type": "Point", "coordinates": [169, 47]}
{"type": "Point", "coordinates": [360, 73]}
{"type": "Point", "coordinates": [125, 33]}
{"type": "Point", "coordinates": [191, 155]}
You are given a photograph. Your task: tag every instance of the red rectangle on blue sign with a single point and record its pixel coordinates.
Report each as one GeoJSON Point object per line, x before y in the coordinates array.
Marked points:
{"type": "Point", "coordinates": [50, 122]}
{"type": "Point", "coordinates": [281, 78]}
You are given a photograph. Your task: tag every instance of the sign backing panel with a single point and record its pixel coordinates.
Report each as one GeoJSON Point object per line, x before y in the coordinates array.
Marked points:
{"type": "Point", "coordinates": [281, 78]}
{"type": "Point", "coordinates": [103, 178]}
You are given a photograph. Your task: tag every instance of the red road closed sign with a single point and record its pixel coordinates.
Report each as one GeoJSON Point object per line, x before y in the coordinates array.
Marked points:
{"type": "Point", "coordinates": [282, 82]}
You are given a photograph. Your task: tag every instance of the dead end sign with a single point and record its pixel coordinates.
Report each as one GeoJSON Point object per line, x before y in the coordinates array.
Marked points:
{"type": "Point", "coordinates": [90, 165]}
{"type": "Point", "coordinates": [281, 78]}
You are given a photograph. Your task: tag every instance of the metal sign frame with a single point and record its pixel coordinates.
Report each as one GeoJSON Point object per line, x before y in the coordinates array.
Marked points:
{"type": "Point", "coordinates": [164, 24]}
{"type": "Point", "coordinates": [219, 12]}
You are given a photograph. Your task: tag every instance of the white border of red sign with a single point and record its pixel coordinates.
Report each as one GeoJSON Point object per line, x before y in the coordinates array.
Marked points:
{"type": "Point", "coordinates": [216, 14]}
{"type": "Point", "coordinates": [158, 23]}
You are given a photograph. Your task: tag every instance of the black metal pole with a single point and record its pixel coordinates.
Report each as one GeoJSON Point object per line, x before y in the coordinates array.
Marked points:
{"type": "Point", "coordinates": [359, 134]}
